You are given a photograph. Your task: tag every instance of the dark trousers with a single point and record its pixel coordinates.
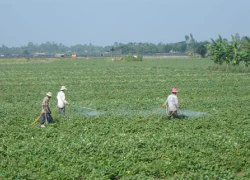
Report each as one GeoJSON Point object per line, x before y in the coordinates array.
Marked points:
{"type": "Point", "coordinates": [61, 110]}
{"type": "Point", "coordinates": [172, 114]}
{"type": "Point", "coordinates": [46, 118]}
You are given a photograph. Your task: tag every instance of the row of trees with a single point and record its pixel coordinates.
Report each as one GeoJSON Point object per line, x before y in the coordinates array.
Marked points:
{"type": "Point", "coordinates": [189, 46]}
{"type": "Point", "coordinates": [50, 49]}
{"type": "Point", "coordinates": [230, 52]}
{"type": "Point", "coordinates": [220, 50]}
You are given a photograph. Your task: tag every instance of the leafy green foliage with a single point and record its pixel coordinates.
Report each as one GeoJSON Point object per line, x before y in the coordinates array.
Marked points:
{"type": "Point", "coordinates": [246, 50]}
{"type": "Point", "coordinates": [117, 146]}
{"type": "Point", "coordinates": [218, 51]}
{"type": "Point", "coordinates": [202, 49]}
{"type": "Point", "coordinates": [221, 51]}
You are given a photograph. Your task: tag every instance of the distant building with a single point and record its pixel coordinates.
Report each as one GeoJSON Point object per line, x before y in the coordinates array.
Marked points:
{"type": "Point", "coordinates": [39, 54]}
{"type": "Point", "coordinates": [59, 55]}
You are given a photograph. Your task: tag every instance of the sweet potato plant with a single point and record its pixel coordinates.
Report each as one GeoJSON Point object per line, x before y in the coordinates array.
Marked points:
{"type": "Point", "coordinates": [115, 141]}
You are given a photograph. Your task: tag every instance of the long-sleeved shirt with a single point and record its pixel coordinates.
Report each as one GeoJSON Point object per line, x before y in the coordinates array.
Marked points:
{"type": "Point", "coordinates": [61, 99]}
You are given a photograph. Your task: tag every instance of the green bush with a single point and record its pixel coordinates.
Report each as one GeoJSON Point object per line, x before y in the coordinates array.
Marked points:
{"type": "Point", "coordinates": [132, 58]}
{"type": "Point", "coordinates": [233, 53]}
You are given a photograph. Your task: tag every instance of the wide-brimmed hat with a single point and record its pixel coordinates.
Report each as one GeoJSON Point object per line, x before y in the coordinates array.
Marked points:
{"type": "Point", "coordinates": [49, 94]}
{"type": "Point", "coordinates": [174, 90]}
{"type": "Point", "coordinates": [63, 88]}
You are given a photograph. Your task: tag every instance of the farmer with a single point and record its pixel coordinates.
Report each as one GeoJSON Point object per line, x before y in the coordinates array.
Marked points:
{"type": "Point", "coordinates": [46, 113]}
{"type": "Point", "coordinates": [172, 104]}
{"type": "Point", "coordinates": [61, 102]}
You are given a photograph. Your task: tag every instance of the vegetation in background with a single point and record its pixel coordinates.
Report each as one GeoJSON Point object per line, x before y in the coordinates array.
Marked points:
{"type": "Point", "coordinates": [220, 50]}
{"type": "Point", "coordinates": [132, 58]}
{"type": "Point", "coordinates": [187, 47]}
{"type": "Point", "coordinates": [231, 53]}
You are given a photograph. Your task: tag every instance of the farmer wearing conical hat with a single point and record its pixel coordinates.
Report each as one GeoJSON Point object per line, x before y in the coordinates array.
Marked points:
{"type": "Point", "coordinates": [172, 104]}
{"type": "Point", "coordinates": [61, 102]}
{"type": "Point", "coordinates": [46, 113]}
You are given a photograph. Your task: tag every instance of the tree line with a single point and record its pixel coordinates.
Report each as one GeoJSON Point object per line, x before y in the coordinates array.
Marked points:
{"type": "Point", "coordinates": [189, 46]}
{"type": "Point", "coordinates": [220, 50]}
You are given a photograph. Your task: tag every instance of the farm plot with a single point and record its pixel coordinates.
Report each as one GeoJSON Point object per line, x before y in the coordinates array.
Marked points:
{"type": "Point", "coordinates": [114, 127]}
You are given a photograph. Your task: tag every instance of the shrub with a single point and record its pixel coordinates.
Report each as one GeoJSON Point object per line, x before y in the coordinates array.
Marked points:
{"type": "Point", "coordinates": [132, 58]}
{"type": "Point", "coordinates": [233, 53]}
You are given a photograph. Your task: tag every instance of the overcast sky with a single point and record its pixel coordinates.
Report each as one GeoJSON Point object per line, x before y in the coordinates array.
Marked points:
{"type": "Point", "coordinates": [103, 22]}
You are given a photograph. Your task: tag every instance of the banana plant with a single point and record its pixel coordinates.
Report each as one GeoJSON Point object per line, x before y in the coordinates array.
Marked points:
{"type": "Point", "coordinates": [217, 51]}
{"type": "Point", "coordinates": [221, 51]}
{"type": "Point", "coordinates": [246, 50]}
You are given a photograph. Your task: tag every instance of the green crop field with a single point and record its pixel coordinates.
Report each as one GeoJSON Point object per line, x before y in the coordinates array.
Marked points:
{"type": "Point", "coordinates": [114, 127]}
